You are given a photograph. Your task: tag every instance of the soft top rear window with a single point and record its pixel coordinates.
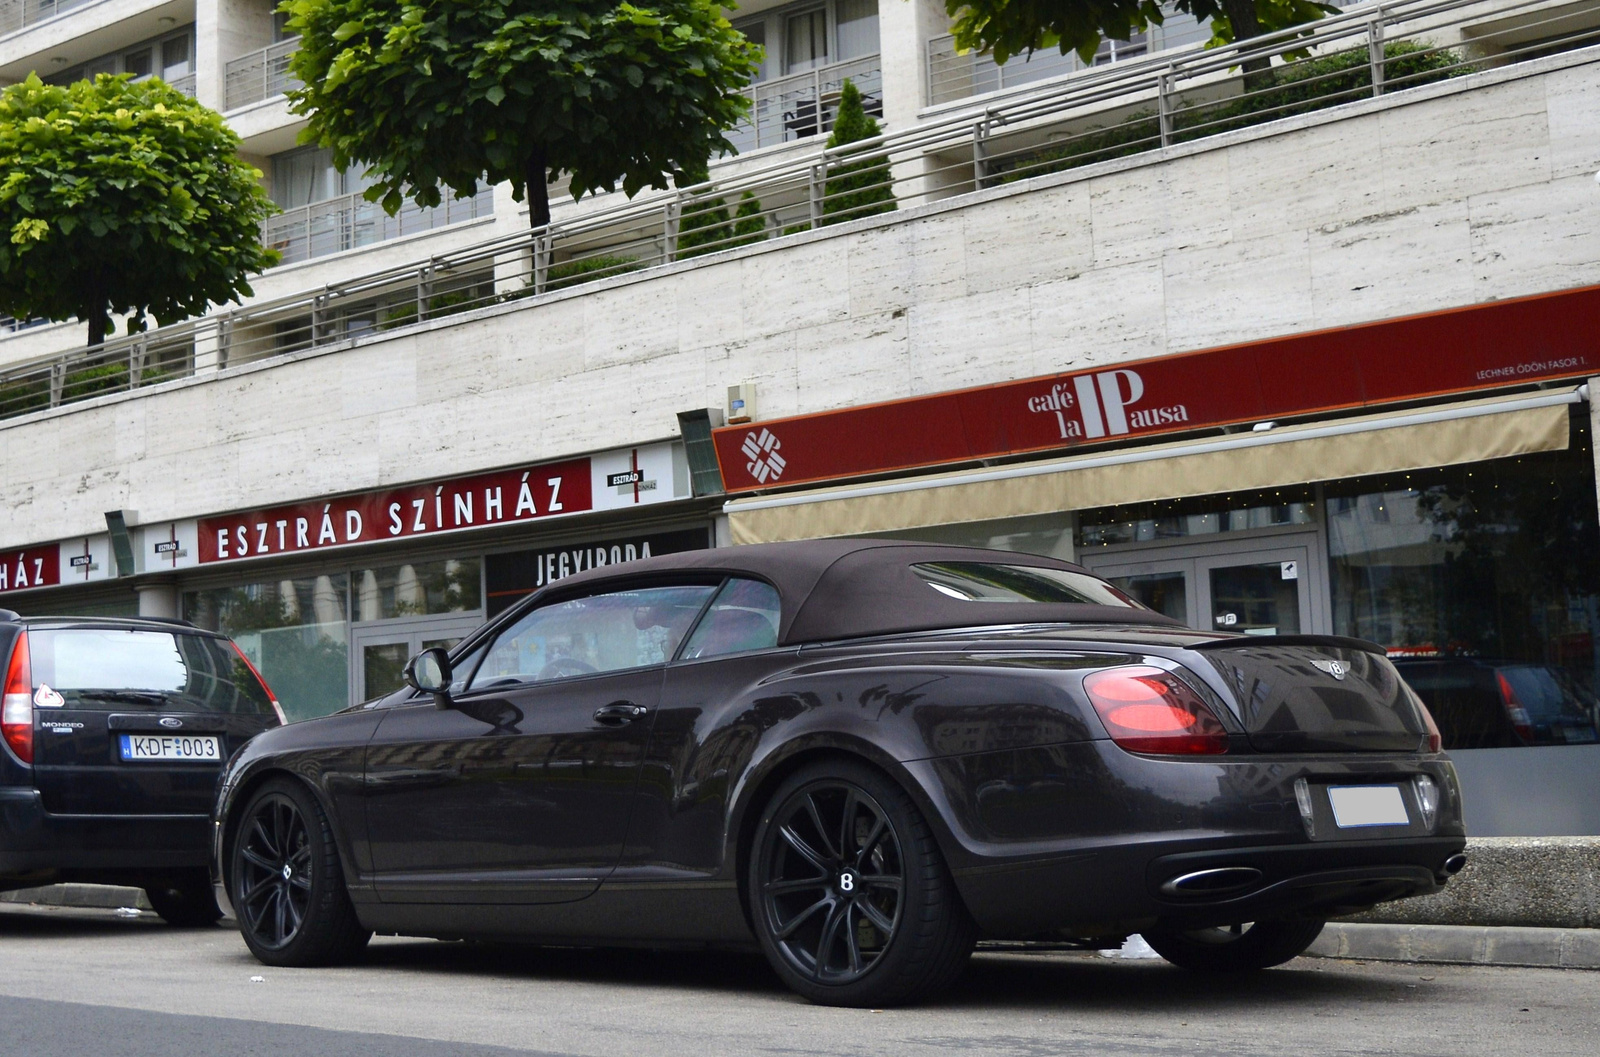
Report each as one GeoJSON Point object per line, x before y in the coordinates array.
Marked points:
{"type": "Point", "coordinates": [119, 670]}
{"type": "Point", "coordinates": [994, 582]}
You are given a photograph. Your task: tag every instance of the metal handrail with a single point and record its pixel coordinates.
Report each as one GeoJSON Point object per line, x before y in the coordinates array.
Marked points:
{"type": "Point", "coordinates": [1104, 112]}
{"type": "Point", "coordinates": [954, 74]}
{"type": "Point", "coordinates": [15, 14]}
{"type": "Point", "coordinates": [348, 221]}
{"type": "Point", "coordinates": [791, 108]}
{"type": "Point", "coordinates": [259, 75]}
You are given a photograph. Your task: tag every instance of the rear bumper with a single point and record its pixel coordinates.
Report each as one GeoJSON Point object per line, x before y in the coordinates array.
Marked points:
{"type": "Point", "coordinates": [34, 842]}
{"type": "Point", "coordinates": [1119, 889]}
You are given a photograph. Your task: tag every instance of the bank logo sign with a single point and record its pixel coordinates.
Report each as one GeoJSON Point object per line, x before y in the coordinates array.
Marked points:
{"type": "Point", "coordinates": [761, 452]}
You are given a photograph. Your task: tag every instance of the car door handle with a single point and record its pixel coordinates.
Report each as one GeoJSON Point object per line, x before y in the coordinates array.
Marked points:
{"type": "Point", "coordinates": [618, 713]}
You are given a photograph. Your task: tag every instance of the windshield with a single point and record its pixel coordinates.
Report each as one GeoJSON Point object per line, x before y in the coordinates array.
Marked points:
{"type": "Point", "coordinates": [116, 669]}
{"type": "Point", "coordinates": [993, 582]}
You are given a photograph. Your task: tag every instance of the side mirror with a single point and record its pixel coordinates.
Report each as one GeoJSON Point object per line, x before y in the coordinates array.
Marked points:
{"type": "Point", "coordinates": [429, 671]}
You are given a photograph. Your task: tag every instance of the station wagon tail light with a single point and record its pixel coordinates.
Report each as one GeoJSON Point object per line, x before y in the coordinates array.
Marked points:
{"type": "Point", "coordinates": [16, 720]}
{"type": "Point", "coordinates": [1151, 711]}
{"type": "Point", "coordinates": [1514, 710]}
{"type": "Point", "coordinates": [272, 698]}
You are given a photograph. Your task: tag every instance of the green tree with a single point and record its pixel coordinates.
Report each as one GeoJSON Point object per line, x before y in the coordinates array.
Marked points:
{"type": "Point", "coordinates": [859, 188]}
{"type": "Point", "coordinates": [126, 198]}
{"type": "Point", "coordinates": [433, 94]}
{"type": "Point", "coordinates": [1012, 27]}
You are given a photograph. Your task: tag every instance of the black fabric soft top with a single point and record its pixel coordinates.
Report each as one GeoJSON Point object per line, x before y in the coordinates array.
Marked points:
{"type": "Point", "coordinates": [842, 589]}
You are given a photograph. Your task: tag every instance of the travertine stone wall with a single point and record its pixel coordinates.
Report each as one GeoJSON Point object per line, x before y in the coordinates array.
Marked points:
{"type": "Point", "coordinates": [1448, 195]}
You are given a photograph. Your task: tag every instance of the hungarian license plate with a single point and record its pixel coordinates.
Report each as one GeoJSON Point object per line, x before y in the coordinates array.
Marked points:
{"type": "Point", "coordinates": [1367, 805]}
{"type": "Point", "coordinates": [141, 748]}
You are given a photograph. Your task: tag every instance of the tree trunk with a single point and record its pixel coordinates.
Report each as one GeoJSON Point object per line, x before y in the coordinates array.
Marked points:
{"type": "Point", "coordinates": [95, 313]}
{"type": "Point", "coordinates": [538, 191]}
{"type": "Point", "coordinates": [1242, 17]}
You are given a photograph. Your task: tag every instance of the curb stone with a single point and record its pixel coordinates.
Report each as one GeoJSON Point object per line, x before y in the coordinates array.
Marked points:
{"type": "Point", "coordinates": [79, 895]}
{"type": "Point", "coordinates": [1460, 945]}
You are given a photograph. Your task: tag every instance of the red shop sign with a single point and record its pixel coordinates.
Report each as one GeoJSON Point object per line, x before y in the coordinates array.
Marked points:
{"type": "Point", "coordinates": [550, 490]}
{"type": "Point", "coordinates": [31, 567]}
{"type": "Point", "coordinates": [1548, 336]}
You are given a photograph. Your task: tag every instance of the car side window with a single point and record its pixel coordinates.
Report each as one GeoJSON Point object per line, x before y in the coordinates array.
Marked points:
{"type": "Point", "coordinates": [598, 633]}
{"type": "Point", "coordinates": [744, 617]}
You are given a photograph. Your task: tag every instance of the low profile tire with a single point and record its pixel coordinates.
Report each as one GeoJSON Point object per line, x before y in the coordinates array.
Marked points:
{"type": "Point", "coordinates": [288, 889]}
{"type": "Point", "coordinates": [1235, 948]}
{"type": "Point", "coordinates": [850, 896]}
{"type": "Point", "coordinates": [184, 899]}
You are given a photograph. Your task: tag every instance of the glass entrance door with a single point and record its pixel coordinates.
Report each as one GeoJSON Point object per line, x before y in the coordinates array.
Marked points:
{"type": "Point", "coordinates": [1254, 589]}
{"type": "Point", "coordinates": [380, 651]}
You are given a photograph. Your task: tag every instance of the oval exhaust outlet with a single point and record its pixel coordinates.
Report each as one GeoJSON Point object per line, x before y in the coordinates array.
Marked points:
{"type": "Point", "coordinates": [1216, 881]}
{"type": "Point", "coordinates": [1454, 864]}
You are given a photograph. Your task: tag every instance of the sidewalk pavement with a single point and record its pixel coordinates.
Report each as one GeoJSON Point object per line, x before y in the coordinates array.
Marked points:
{"type": "Point", "coordinates": [1460, 945]}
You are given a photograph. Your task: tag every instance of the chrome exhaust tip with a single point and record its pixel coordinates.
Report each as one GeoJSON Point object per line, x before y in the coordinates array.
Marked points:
{"type": "Point", "coordinates": [1453, 865]}
{"type": "Point", "coordinates": [1217, 881]}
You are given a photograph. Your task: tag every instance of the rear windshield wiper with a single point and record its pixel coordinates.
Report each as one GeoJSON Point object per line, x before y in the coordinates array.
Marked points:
{"type": "Point", "coordinates": [141, 697]}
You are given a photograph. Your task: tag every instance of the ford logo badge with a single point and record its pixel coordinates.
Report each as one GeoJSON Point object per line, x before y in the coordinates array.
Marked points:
{"type": "Point", "coordinates": [169, 721]}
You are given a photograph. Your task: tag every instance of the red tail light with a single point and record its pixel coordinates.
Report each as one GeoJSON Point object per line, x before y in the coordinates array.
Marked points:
{"type": "Point", "coordinates": [16, 713]}
{"type": "Point", "coordinates": [271, 697]}
{"type": "Point", "coordinates": [1514, 710]}
{"type": "Point", "coordinates": [1152, 711]}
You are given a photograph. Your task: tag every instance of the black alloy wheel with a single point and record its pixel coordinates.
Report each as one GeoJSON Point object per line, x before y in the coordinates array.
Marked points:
{"type": "Point", "coordinates": [184, 898]}
{"type": "Point", "coordinates": [1244, 947]}
{"type": "Point", "coordinates": [851, 897]}
{"type": "Point", "coordinates": [288, 889]}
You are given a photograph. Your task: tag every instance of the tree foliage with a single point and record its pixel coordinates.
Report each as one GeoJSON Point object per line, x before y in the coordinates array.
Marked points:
{"type": "Point", "coordinates": [1013, 27]}
{"type": "Point", "coordinates": [859, 188]}
{"type": "Point", "coordinates": [431, 93]}
{"type": "Point", "coordinates": [118, 197]}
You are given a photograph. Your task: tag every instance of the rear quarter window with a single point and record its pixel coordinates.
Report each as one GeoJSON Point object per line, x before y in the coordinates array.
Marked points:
{"type": "Point", "coordinates": [115, 669]}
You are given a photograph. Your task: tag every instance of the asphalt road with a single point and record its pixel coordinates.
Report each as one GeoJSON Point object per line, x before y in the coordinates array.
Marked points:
{"type": "Point", "coordinates": [79, 982]}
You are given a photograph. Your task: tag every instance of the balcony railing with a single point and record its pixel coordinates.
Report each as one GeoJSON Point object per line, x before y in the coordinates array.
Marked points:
{"type": "Point", "coordinates": [1122, 109]}
{"type": "Point", "coordinates": [349, 221]}
{"type": "Point", "coordinates": [184, 84]}
{"type": "Point", "coordinates": [259, 75]}
{"type": "Point", "coordinates": [15, 14]}
{"type": "Point", "coordinates": [805, 104]}
{"type": "Point", "coordinates": [952, 75]}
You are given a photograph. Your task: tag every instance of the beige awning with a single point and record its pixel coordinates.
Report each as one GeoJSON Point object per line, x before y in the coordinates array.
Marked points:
{"type": "Point", "coordinates": [1439, 436]}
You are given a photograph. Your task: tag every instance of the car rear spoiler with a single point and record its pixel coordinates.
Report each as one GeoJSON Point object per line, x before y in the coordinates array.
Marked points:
{"type": "Point", "coordinates": [1336, 641]}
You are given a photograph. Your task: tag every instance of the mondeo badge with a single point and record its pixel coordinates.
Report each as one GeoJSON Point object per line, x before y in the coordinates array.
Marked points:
{"type": "Point", "coordinates": [1333, 668]}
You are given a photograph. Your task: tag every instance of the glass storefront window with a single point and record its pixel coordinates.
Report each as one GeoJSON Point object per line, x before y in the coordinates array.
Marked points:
{"type": "Point", "coordinates": [1483, 582]}
{"type": "Point", "coordinates": [419, 588]}
{"type": "Point", "coordinates": [296, 633]}
{"type": "Point", "coordinates": [1198, 517]}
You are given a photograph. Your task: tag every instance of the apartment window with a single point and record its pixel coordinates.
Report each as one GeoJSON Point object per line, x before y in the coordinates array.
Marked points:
{"type": "Point", "coordinates": [803, 37]}
{"type": "Point", "coordinates": [805, 41]}
{"type": "Point", "coordinates": [170, 58]}
{"type": "Point", "coordinates": [857, 22]}
{"type": "Point", "coordinates": [305, 177]}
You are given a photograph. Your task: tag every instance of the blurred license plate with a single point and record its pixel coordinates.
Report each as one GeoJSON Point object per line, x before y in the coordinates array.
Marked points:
{"type": "Point", "coordinates": [1367, 805]}
{"type": "Point", "coordinates": [139, 748]}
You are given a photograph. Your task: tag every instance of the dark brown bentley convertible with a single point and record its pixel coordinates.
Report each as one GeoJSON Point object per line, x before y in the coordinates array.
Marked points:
{"type": "Point", "coordinates": [863, 756]}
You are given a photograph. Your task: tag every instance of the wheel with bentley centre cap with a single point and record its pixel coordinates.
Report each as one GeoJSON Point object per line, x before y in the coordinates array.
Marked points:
{"type": "Point", "coordinates": [850, 896]}
{"type": "Point", "coordinates": [287, 885]}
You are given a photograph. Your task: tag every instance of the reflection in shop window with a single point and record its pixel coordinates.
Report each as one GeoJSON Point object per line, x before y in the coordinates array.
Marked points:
{"type": "Point", "coordinates": [1483, 582]}
{"type": "Point", "coordinates": [418, 589]}
{"type": "Point", "coordinates": [296, 633]}
{"type": "Point", "coordinates": [1207, 516]}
